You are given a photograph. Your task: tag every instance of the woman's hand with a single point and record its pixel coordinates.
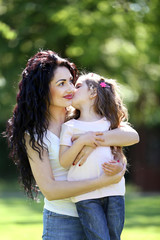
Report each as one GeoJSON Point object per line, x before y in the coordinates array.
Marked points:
{"type": "Point", "coordinates": [105, 180]}
{"type": "Point", "coordinates": [83, 155]}
{"type": "Point", "coordinates": [112, 167]}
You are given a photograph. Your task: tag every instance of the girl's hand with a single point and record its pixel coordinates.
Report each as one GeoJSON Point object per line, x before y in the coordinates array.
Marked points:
{"type": "Point", "coordinates": [75, 137]}
{"type": "Point", "coordinates": [83, 155]}
{"type": "Point", "coordinates": [105, 180]}
{"type": "Point", "coordinates": [112, 167]}
{"type": "Point", "coordinates": [92, 139]}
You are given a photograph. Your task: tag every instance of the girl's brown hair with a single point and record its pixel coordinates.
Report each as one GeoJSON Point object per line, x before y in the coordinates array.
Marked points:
{"type": "Point", "coordinates": [108, 103]}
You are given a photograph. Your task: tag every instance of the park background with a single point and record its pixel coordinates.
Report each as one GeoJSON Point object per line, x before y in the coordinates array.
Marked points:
{"type": "Point", "coordinates": [116, 38]}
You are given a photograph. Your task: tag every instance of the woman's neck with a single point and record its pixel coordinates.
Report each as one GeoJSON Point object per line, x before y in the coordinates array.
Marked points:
{"type": "Point", "coordinates": [56, 119]}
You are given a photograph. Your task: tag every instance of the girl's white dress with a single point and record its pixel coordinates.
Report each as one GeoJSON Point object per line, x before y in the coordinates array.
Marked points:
{"type": "Point", "coordinates": [92, 168]}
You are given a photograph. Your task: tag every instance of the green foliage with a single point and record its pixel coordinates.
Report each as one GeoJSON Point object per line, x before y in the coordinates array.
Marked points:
{"type": "Point", "coordinates": [118, 39]}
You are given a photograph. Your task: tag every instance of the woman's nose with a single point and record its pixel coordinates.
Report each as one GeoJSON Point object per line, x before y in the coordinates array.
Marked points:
{"type": "Point", "coordinates": [71, 88]}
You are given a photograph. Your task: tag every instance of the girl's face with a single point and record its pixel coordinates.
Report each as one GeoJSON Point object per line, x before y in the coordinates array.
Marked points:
{"type": "Point", "coordinates": [82, 93]}
{"type": "Point", "coordinates": [61, 88]}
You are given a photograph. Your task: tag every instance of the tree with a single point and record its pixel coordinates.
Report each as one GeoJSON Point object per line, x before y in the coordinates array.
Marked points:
{"type": "Point", "coordinates": [118, 39]}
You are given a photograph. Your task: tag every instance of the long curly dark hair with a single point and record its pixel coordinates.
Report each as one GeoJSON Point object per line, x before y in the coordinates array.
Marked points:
{"type": "Point", "coordinates": [108, 103]}
{"type": "Point", "coordinates": [31, 112]}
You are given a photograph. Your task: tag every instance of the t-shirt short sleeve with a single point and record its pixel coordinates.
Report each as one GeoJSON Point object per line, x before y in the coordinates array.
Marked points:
{"type": "Point", "coordinates": [46, 142]}
{"type": "Point", "coordinates": [66, 135]}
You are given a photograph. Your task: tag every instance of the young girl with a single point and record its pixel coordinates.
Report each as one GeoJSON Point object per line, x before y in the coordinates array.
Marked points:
{"type": "Point", "coordinates": [99, 108]}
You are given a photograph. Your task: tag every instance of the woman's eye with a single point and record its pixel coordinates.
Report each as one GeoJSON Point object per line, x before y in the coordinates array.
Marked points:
{"type": "Point", "coordinates": [78, 86]}
{"type": "Point", "coordinates": [61, 84]}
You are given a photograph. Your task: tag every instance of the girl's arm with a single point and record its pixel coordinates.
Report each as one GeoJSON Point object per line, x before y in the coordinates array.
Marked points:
{"type": "Point", "coordinates": [68, 154]}
{"type": "Point", "coordinates": [52, 189]}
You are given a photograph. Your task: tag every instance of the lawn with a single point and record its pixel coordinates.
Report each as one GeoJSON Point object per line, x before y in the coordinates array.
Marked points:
{"type": "Point", "coordinates": [142, 217]}
{"type": "Point", "coordinates": [21, 218]}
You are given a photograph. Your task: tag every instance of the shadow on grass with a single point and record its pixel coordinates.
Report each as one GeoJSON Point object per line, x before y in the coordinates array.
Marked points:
{"type": "Point", "coordinates": [22, 222]}
{"type": "Point", "coordinates": [142, 211]}
{"type": "Point", "coordinates": [20, 201]}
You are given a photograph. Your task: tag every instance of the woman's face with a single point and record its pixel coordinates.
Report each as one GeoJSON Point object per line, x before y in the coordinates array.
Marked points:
{"type": "Point", "coordinates": [82, 94]}
{"type": "Point", "coordinates": [61, 88]}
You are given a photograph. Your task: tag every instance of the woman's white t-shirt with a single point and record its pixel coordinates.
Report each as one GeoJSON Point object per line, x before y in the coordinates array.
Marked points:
{"type": "Point", "coordinates": [92, 168]}
{"type": "Point", "coordinates": [64, 206]}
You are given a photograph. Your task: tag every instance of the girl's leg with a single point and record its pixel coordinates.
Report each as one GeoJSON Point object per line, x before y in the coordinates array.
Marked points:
{"type": "Point", "coordinates": [115, 209]}
{"type": "Point", "coordinates": [93, 219]}
{"type": "Point", "coordinates": [61, 227]}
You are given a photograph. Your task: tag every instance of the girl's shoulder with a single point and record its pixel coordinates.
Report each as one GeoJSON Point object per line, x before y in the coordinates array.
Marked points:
{"type": "Point", "coordinates": [105, 120]}
{"type": "Point", "coordinates": [69, 123]}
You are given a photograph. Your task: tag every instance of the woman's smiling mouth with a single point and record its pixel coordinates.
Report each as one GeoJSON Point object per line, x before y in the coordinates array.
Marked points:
{"type": "Point", "coordinates": [69, 96]}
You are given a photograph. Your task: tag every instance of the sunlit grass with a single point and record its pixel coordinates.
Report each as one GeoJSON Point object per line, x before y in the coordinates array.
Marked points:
{"type": "Point", "coordinates": [142, 217]}
{"type": "Point", "coordinates": [21, 218]}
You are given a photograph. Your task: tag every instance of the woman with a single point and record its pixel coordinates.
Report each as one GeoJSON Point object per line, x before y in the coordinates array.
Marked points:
{"type": "Point", "coordinates": [45, 91]}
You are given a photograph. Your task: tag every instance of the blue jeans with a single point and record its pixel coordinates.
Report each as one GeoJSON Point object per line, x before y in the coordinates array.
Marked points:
{"type": "Point", "coordinates": [61, 227]}
{"type": "Point", "coordinates": [103, 218]}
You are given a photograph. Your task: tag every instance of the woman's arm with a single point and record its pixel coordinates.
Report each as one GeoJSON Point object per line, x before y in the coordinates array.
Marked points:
{"type": "Point", "coordinates": [122, 136]}
{"type": "Point", "coordinates": [52, 189]}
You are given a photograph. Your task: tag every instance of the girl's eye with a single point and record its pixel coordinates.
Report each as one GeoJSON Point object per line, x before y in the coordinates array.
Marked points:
{"type": "Point", "coordinates": [78, 86]}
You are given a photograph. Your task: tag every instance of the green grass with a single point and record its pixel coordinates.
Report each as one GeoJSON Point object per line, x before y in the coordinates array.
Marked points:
{"type": "Point", "coordinates": [21, 218]}
{"type": "Point", "coordinates": [142, 219]}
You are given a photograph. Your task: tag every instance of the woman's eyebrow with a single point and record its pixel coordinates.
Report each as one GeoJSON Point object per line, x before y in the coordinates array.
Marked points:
{"type": "Point", "coordinates": [61, 80]}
